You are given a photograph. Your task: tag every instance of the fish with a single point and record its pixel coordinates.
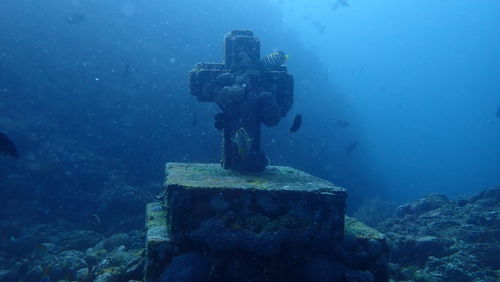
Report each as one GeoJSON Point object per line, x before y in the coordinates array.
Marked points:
{"type": "Point", "coordinates": [75, 18]}
{"type": "Point", "coordinates": [274, 59]}
{"type": "Point", "coordinates": [297, 122]}
{"type": "Point", "coordinates": [498, 112]}
{"type": "Point", "coordinates": [342, 123]}
{"type": "Point", "coordinates": [7, 147]}
{"type": "Point", "coordinates": [243, 143]}
{"type": "Point", "coordinates": [340, 3]}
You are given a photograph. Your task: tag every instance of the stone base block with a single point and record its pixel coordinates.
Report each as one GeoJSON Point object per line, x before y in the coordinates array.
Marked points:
{"type": "Point", "coordinates": [262, 213]}
{"type": "Point", "coordinates": [280, 225]}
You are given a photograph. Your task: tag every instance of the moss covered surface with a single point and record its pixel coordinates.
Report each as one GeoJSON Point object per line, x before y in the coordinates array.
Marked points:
{"type": "Point", "coordinates": [360, 230]}
{"type": "Point", "coordinates": [156, 222]}
{"type": "Point", "coordinates": [273, 178]}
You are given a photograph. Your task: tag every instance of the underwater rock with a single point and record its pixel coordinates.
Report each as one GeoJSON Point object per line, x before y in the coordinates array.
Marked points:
{"type": "Point", "coordinates": [66, 264]}
{"type": "Point", "coordinates": [134, 270]}
{"type": "Point", "coordinates": [82, 274]}
{"type": "Point", "coordinates": [119, 264]}
{"type": "Point", "coordinates": [81, 239]}
{"type": "Point", "coordinates": [435, 239]}
{"type": "Point", "coordinates": [7, 275]}
{"type": "Point", "coordinates": [323, 269]}
{"type": "Point", "coordinates": [428, 203]}
{"type": "Point", "coordinates": [110, 243]}
{"type": "Point", "coordinates": [34, 274]}
{"type": "Point", "coordinates": [186, 268]}
{"type": "Point", "coordinates": [105, 277]}
{"type": "Point", "coordinates": [418, 249]}
{"type": "Point", "coordinates": [359, 276]}
{"type": "Point", "coordinates": [364, 248]}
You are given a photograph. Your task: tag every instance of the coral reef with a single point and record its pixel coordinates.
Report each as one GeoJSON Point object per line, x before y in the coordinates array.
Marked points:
{"type": "Point", "coordinates": [54, 256]}
{"type": "Point", "coordinates": [438, 239]}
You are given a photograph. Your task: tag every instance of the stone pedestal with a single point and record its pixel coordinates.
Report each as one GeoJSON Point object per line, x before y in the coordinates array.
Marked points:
{"type": "Point", "coordinates": [279, 225]}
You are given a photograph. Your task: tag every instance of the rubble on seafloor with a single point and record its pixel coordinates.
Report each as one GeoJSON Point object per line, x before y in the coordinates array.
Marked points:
{"type": "Point", "coordinates": [54, 252]}
{"type": "Point", "coordinates": [432, 239]}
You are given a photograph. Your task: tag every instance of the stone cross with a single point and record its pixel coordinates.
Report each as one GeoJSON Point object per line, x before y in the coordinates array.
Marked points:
{"type": "Point", "coordinates": [247, 94]}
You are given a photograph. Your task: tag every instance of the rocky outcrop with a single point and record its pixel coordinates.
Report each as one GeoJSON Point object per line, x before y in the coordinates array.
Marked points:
{"type": "Point", "coordinates": [438, 239]}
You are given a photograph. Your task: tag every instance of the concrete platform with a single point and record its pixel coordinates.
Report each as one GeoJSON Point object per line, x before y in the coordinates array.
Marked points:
{"type": "Point", "coordinates": [200, 197]}
{"type": "Point", "coordinates": [278, 224]}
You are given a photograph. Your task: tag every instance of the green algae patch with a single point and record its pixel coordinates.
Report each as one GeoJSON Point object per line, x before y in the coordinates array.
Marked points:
{"type": "Point", "coordinates": [156, 222]}
{"type": "Point", "coordinates": [158, 239]}
{"type": "Point", "coordinates": [360, 230]}
{"type": "Point", "coordinates": [194, 175]}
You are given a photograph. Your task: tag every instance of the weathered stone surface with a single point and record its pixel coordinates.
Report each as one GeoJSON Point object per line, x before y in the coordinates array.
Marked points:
{"type": "Point", "coordinates": [279, 225]}
{"type": "Point", "coordinates": [159, 246]}
{"type": "Point", "coordinates": [201, 80]}
{"type": "Point", "coordinates": [279, 206]}
{"type": "Point", "coordinates": [275, 178]}
{"type": "Point", "coordinates": [241, 49]}
{"type": "Point", "coordinates": [247, 94]}
{"type": "Point", "coordinates": [364, 248]}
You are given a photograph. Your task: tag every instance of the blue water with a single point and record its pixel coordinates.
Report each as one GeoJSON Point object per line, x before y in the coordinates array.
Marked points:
{"type": "Point", "coordinates": [107, 96]}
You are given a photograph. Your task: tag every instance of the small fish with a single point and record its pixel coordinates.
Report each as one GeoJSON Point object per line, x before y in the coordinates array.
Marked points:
{"type": "Point", "coordinates": [7, 147]}
{"type": "Point", "coordinates": [274, 59]}
{"type": "Point", "coordinates": [339, 3]}
{"type": "Point", "coordinates": [297, 122]}
{"type": "Point", "coordinates": [243, 143]}
{"type": "Point", "coordinates": [342, 123]}
{"type": "Point", "coordinates": [498, 112]}
{"type": "Point", "coordinates": [75, 18]}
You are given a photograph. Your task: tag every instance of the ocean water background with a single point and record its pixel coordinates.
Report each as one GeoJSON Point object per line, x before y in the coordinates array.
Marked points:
{"type": "Point", "coordinates": [106, 100]}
